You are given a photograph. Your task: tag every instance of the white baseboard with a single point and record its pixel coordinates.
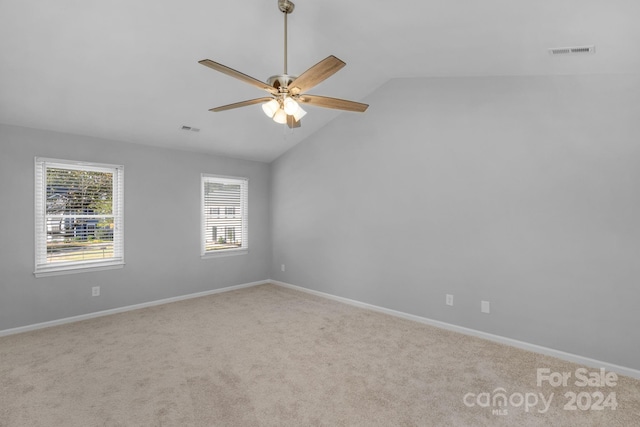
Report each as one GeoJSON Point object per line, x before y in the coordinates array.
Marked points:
{"type": "Point", "coordinates": [42, 325]}
{"type": "Point", "coordinates": [622, 370]}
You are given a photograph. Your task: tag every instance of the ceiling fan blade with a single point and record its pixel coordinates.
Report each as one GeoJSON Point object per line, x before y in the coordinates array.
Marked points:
{"type": "Point", "coordinates": [238, 75]}
{"type": "Point", "coordinates": [241, 104]}
{"type": "Point", "coordinates": [316, 74]}
{"type": "Point", "coordinates": [292, 122]}
{"type": "Point", "coordinates": [335, 103]}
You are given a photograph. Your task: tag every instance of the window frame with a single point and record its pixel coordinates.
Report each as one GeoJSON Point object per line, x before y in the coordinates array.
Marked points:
{"type": "Point", "coordinates": [42, 268]}
{"type": "Point", "coordinates": [222, 215]}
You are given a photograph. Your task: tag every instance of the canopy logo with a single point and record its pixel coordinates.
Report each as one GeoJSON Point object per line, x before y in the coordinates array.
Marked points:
{"type": "Point", "coordinates": [500, 402]}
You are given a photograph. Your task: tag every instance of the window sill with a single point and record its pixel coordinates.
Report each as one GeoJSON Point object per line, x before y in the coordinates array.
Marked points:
{"type": "Point", "coordinates": [220, 254]}
{"type": "Point", "coordinates": [62, 270]}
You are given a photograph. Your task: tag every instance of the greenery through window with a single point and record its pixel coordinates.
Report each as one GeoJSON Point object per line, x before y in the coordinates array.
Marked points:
{"type": "Point", "coordinates": [78, 214]}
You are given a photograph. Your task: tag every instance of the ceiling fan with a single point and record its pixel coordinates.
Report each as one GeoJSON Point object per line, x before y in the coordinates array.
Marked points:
{"type": "Point", "coordinates": [286, 92]}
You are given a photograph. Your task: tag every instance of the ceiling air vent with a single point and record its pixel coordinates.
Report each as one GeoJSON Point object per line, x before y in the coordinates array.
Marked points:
{"type": "Point", "coordinates": [575, 50]}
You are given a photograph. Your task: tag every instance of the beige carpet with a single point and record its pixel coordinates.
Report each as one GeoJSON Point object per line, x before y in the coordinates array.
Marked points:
{"type": "Point", "coordinates": [270, 356]}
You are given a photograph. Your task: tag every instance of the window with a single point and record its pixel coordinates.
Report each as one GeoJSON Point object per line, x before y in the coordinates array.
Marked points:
{"type": "Point", "coordinates": [79, 220]}
{"type": "Point", "coordinates": [224, 234]}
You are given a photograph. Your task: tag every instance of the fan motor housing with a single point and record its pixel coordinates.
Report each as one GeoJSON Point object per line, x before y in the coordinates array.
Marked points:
{"type": "Point", "coordinates": [281, 81]}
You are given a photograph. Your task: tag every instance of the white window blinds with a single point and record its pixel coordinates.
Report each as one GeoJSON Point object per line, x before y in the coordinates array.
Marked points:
{"type": "Point", "coordinates": [79, 221]}
{"type": "Point", "coordinates": [224, 215]}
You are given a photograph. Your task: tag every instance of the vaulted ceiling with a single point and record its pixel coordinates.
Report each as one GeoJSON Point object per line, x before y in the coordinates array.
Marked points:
{"type": "Point", "coordinates": [128, 70]}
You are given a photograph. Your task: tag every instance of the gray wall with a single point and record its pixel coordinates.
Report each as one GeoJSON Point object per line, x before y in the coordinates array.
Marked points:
{"type": "Point", "coordinates": [521, 191]}
{"type": "Point", "coordinates": [162, 228]}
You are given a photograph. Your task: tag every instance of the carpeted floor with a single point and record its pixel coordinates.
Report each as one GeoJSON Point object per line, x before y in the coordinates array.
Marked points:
{"type": "Point", "coordinates": [270, 356]}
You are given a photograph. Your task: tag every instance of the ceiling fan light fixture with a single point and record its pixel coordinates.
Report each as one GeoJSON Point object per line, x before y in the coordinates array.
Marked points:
{"type": "Point", "coordinates": [280, 117]}
{"type": "Point", "coordinates": [290, 106]}
{"type": "Point", "coordinates": [270, 108]}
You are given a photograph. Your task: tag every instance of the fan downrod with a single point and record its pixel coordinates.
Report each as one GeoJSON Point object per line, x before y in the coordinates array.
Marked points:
{"type": "Point", "coordinates": [286, 6]}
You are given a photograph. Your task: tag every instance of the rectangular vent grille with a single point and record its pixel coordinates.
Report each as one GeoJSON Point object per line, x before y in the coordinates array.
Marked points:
{"type": "Point", "coordinates": [576, 50]}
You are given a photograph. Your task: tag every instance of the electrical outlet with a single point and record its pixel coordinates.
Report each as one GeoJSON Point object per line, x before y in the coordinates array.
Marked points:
{"type": "Point", "coordinates": [449, 299]}
{"type": "Point", "coordinates": [282, 267]}
{"type": "Point", "coordinates": [95, 291]}
{"type": "Point", "coordinates": [485, 307]}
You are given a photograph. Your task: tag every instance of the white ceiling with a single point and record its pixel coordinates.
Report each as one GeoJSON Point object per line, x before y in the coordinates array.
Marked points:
{"type": "Point", "coordinates": [128, 69]}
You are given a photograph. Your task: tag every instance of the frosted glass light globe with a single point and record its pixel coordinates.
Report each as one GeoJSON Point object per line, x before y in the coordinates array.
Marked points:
{"type": "Point", "coordinates": [280, 117]}
{"type": "Point", "coordinates": [270, 108]}
{"type": "Point", "coordinates": [290, 106]}
{"type": "Point", "coordinates": [299, 114]}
